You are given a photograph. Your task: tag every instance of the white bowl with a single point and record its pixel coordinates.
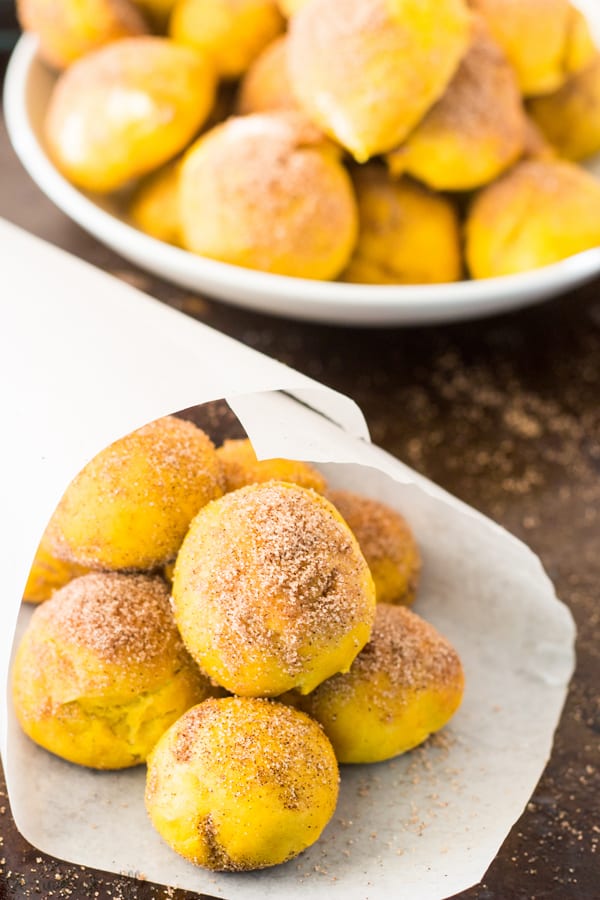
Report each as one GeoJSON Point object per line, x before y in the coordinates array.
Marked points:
{"type": "Point", "coordinates": [27, 89]}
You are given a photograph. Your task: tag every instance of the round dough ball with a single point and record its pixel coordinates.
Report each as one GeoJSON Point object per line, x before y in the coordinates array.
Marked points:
{"type": "Point", "coordinates": [366, 71]}
{"type": "Point", "coordinates": [130, 506]}
{"type": "Point", "coordinates": [241, 784]}
{"type": "Point", "coordinates": [403, 686]}
{"type": "Point", "coordinates": [386, 542]}
{"type": "Point", "coordinates": [570, 118]}
{"type": "Point", "coordinates": [267, 192]}
{"type": "Point", "coordinates": [407, 234]}
{"type": "Point", "coordinates": [266, 85]}
{"type": "Point", "coordinates": [126, 109]}
{"type": "Point", "coordinates": [101, 671]}
{"type": "Point", "coordinates": [68, 29]}
{"type": "Point", "coordinates": [545, 40]}
{"type": "Point", "coordinates": [231, 32]}
{"type": "Point", "coordinates": [154, 206]}
{"type": "Point", "coordinates": [475, 131]}
{"type": "Point", "coordinates": [542, 211]}
{"type": "Point", "coordinates": [241, 467]}
{"type": "Point", "coordinates": [271, 591]}
{"type": "Point", "coordinates": [48, 573]}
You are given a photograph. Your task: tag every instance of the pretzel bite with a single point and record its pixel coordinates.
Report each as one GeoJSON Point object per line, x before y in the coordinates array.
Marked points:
{"type": "Point", "coordinates": [403, 686]}
{"type": "Point", "coordinates": [387, 544]}
{"type": "Point", "coordinates": [266, 85]}
{"type": "Point", "coordinates": [48, 573]}
{"type": "Point", "coordinates": [475, 131]}
{"type": "Point", "coordinates": [545, 40]}
{"type": "Point", "coordinates": [241, 467]}
{"type": "Point", "coordinates": [271, 591]}
{"type": "Point", "coordinates": [68, 29]}
{"type": "Point", "coordinates": [126, 109]}
{"type": "Point", "coordinates": [241, 783]}
{"type": "Point", "coordinates": [268, 192]}
{"type": "Point", "coordinates": [231, 32]}
{"type": "Point", "coordinates": [570, 118]}
{"type": "Point", "coordinates": [154, 206]}
{"type": "Point", "coordinates": [101, 671]}
{"type": "Point", "coordinates": [130, 507]}
{"type": "Point", "coordinates": [542, 211]}
{"type": "Point", "coordinates": [406, 235]}
{"type": "Point", "coordinates": [366, 71]}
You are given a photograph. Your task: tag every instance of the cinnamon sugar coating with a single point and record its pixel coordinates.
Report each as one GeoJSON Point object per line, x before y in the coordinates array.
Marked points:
{"type": "Point", "coordinates": [268, 192]}
{"type": "Point", "coordinates": [271, 590]}
{"type": "Point", "coordinates": [101, 671]}
{"type": "Point", "coordinates": [130, 506]}
{"type": "Point", "coordinates": [475, 131]}
{"type": "Point", "coordinates": [387, 543]}
{"type": "Point", "coordinates": [366, 71]}
{"type": "Point", "coordinates": [404, 685]}
{"type": "Point", "coordinates": [241, 784]}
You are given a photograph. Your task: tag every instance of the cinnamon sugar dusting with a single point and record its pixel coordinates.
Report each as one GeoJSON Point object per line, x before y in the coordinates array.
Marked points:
{"type": "Point", "coordinates": [120, 618]}
{"type": "Point", "coordinates": [409, 650]}
{"type": "Point", "coordinates": [273, 169]}
{"type": "Point", "coordinates": [483, 95]}
{"type": "Point", "coordinates": [344, 30]}
{"type": "Point", "coordinates": [168, 466]}
{"type": "Point", "coordinates": [247, 755]}
{"type": "Point", "coordinates": [172, 449]}
{"type": "Point", "coordinates": [368, 70]}
{"type": "Point", "coordinates": [279, 573]}
{"type": "Point", "coordinates": [266, 742]}
{"type": "Point", "coordinates": [381, 531]}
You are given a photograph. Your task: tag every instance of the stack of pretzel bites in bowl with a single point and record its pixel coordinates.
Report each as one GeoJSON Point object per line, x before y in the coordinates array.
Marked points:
{"type": "Point", "coordinates": [367, 142]}
{"type": "Point", "coordinates": [237, 625]}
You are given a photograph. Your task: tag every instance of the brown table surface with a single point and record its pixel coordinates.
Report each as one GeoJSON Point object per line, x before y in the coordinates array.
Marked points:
{"type": "Point", "coordinates": [504, 413]}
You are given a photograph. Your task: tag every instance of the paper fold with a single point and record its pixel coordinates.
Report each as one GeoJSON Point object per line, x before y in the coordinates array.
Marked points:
{"type": "Point", "coordinates": [86, 359]}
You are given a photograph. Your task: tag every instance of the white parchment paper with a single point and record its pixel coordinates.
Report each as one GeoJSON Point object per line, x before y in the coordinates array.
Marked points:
{"type": "Point", "coordinates": [86, 359]}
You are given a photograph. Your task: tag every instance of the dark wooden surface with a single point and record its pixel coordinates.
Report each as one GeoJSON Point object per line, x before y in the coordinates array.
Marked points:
{"type": "Point", "coordinates": [505, 414]}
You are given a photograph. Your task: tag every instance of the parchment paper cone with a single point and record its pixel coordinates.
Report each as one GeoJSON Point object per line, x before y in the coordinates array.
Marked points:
{"type": "Point", "coordinates": [86, 358]}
